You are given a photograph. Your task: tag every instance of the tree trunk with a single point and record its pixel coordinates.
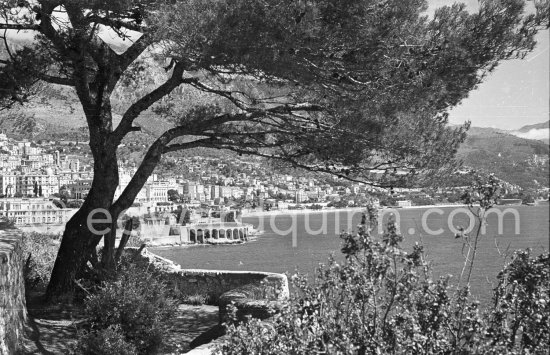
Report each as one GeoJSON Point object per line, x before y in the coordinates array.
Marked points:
{"type": "Point", "coordinates": [108, 261]}
{"type": "Point", "coordinates": [76, 248]}
{"type": "Point", "coordinates": [82, 234]}
{"type": "Point", "coordinates": [126, 233]}
{"type": "Point", "coordinates": [79, 241]}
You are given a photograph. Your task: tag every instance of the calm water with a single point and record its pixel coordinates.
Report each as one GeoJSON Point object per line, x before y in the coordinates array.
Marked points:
{"type": "Point", "coordinates": [275, 252]}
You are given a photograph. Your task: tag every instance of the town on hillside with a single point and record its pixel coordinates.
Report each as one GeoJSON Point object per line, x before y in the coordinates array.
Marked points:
{"type": "Point", "coordinates": [45, 182]}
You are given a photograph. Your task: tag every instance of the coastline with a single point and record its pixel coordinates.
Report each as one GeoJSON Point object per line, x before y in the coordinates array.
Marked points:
{"type": "Point", "coordinates": [59, 228]}
{"type": "Point", "coordinates": [294, 212]}
{"type": "Point", "coordinates": [246, 214]}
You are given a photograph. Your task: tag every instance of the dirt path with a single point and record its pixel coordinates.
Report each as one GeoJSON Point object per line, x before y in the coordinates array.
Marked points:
{"type": "Point", "coordinates": [189, 323]}
{"type": "Point", "coordinates": [52, 330]}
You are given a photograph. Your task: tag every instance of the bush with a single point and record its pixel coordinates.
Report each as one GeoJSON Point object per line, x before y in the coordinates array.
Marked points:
{"type": "Point", "coordinates": [39, 253]}
{"type": "Point", "coordinates": [134, 241]}
{"type": "Point", "coordinates": [519, 317]}
{"type": "Point", "coordinates": [104, 341]}
{"type": "Point", "coordinates": [195, 300]}
{"type": "Point", "coordinates": [7, 223]}
{"type": "Point", "coordinates": [136, 305]}
{"type": "Point", "coordinates": [383, 300]}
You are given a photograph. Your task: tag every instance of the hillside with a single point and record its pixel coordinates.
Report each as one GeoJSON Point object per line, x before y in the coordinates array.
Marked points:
{"type": "Point", "coordinates": [518, 160]}
{"type": "Point", "coordinates": [56, 115]}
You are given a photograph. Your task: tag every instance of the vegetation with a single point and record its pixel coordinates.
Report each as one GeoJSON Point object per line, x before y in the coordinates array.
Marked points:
{"type": "Point", "coordinates": [110, 340]}
{"type": "Point", "coordinates": [174, 196]}
{"type": "Point", "coordinates": [39, 252]}
{"type": "Point", "coordinates": [232, 216]}
{"type": "Point", "coordinates": [6, 223]}
{"type": "Point", "coordinates": [186, 217]}
{"type": "Point", "coordinates": [507, 156]}
{"type": "Point", "coordinates": [126, 315]}
{"type": "Point", "coordinates": [195, 300]}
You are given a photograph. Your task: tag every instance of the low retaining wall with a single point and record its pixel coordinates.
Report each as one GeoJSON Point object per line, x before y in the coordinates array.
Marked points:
{"type": "Point", "coordinates": [249, 300]}
{"type": "Point", "coordinates": [13, 311]}
{"type": "Point", "coordinates": [214, 283]}
{"type": "Point", "coordinates": [253, 293]}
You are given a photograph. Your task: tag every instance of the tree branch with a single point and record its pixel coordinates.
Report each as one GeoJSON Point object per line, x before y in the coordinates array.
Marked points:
{"type": "Point", "coordinates": [134, 51]}
{"type": "Point", "coordinates": [146, 101]}
{"type": "Point", "coordinates": [148, 164]}
{"type": "Point", "coordinates": [19, 27]}
{"type": "Point", "coordinates": [42, 76]}
{"type": "Point", "coordinates": [182, 146]}
{"type": "Point", "coordinates": [55, 79]}
{"type": "Point", "coordinates": [114, 24]}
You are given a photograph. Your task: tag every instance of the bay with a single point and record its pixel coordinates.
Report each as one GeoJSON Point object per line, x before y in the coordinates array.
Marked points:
{"type": "Point", "coordinates": [300, 242]}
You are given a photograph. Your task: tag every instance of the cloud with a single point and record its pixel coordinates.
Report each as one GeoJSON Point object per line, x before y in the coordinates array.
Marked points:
{"type": "Point", "coordinates": [541, 133]}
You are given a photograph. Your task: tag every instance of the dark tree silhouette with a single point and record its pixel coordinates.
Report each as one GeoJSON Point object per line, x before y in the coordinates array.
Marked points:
{"type": "Point", "coordinates": [173, 196]}
{"type": "Point", "coordinates": [186, 217]}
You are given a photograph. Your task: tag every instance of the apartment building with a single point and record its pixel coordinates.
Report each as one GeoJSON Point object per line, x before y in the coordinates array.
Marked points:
{"type": "Point", "coordinates": [34, 211]}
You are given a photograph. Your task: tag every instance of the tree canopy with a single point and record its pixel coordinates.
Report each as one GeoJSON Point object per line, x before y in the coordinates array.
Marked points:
{"type": "Point", "coordinates": [346, 87]}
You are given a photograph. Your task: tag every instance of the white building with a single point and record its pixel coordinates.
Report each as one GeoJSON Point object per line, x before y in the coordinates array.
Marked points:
{"type": "Point", "coordinates": [158, 191]}
{"type": "Point", "coordinates": [27, 184]}
{"type": "Point", "coordinates": [7, 184]}
{"type": "Point", "coordinates": [34, 211]}
{"type": "Point", "coordinates": [80, 188]}
{"type": "Point", "coordinates": [404, 203]}
{"type": "Point", "coordinates": [301, 196]}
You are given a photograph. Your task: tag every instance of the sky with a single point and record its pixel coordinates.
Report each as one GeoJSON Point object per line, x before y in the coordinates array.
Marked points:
{"type": "Point", "coordinates": [514, 95]}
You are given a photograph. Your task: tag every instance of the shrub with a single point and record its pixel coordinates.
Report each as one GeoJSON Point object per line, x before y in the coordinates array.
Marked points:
{"type": "Point", "coordinates": [519, 317]}
{"type": "Point", "coordinates": [39, 253]}
{"type": "Point", "coordinates": [135, 304]}
{"type": "Point", "coordinates": [110, 340]}
{"type": "Point", "coordinates": [382, 299]}
{"type": "Point", "coordinates": [7, 223]}
{"type": "Point", "coordinates": [134, 241]}
{"type": "Point", "coordinates": [195, 300]}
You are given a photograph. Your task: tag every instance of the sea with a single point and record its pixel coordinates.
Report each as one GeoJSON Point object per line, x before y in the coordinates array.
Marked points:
{"type": "Point", "coordinates": [293, 243]}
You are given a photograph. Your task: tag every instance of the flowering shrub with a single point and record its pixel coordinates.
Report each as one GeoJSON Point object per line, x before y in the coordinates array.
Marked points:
{"type": "Point", "coordinates": [382, 300]}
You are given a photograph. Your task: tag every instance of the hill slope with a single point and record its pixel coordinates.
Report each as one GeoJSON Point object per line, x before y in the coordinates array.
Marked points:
{"type": "Point", "coordinates": [518, 160]}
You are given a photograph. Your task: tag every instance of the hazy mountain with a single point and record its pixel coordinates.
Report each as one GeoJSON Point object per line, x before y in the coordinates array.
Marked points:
{"type": "Point", "coordinates": [527, 128]}
{"type": "Point", "coordinates": [539, 131]}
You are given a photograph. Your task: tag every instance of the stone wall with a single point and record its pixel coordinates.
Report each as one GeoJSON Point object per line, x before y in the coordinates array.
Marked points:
{"type": "Point", "coordinates": [13, 312]}
{"type": "Point", "coordinates": [214, 283]}
{"type": "Point", "coordinates": [249, 300]}
{"type": "Point", "coordinates": [253, 293]}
